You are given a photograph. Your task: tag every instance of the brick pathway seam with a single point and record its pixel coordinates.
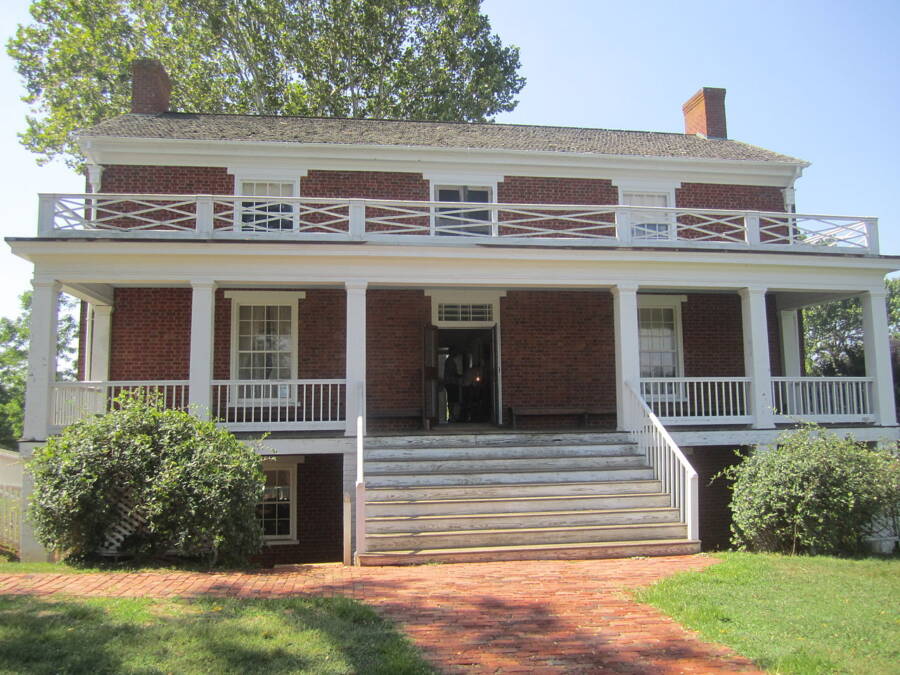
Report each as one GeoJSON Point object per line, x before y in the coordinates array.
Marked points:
{"type": "Point", "coordinates": [505, 617]}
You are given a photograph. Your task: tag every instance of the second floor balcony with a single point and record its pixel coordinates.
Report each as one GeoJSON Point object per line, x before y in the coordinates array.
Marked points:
{"type": "Point", "coordinates": [242, 218]}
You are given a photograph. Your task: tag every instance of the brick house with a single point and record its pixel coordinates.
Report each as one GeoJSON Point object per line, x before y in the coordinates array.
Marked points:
{"type": "Point", "coordinates": [551, 338]}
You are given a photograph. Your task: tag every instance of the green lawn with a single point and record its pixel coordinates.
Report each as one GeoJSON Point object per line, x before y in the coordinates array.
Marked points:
{"type": "Point", "coordinates": [793, 614]}
{"type": "Point", "coordinates": [114, 635]}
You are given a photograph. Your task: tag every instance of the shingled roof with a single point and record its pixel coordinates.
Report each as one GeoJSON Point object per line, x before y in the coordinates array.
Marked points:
{"type": "Point", "coordinates": [455, 135]}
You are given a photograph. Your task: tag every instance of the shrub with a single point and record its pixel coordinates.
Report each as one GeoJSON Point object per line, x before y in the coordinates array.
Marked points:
{"type": "Point", "coordinates": [193, 486]}
{"type": "Point", "coordinates": [816, 493]}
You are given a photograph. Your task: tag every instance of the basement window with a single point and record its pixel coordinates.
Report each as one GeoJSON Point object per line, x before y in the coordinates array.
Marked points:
{"type": "Point", "coordinates": [277, 510]}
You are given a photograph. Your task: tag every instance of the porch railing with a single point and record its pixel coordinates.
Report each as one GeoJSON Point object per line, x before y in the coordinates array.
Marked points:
{"type": "Point", "coordinates": [698, 400]}
{"type": "Point", "coordinates": [670, 466]}
{"type": "Point", "coordinates": [455, 223]}
{"type": "Point", "coordinates": [260, 405]}
{"type": "Point", "coordinates": [823, 399]}
{"type": "Point", "coordinates": [72, 401]}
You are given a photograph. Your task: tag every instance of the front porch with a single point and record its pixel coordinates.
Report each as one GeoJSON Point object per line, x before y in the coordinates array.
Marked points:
{"type": "Point", "coordinates": [560, 358]}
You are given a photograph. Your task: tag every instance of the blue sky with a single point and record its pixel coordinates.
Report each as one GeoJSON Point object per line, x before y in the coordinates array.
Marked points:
{"type": "Point", "coordinates": [816, 80]}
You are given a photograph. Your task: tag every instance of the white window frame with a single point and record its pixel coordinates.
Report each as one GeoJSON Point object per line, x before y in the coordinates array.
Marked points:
{"type": "Point", "coordinates": [271, 298]}
{"type": "Point", "coordinates": [487, 182]}
{"type": "Point", "coordinates": [650, 186]}
{"type": "Point", "coordinates": [673, 302]}
{"type": "Point", "coordinates": [291, 538]}
{"type": "Point", "coordinates": [284, 176]}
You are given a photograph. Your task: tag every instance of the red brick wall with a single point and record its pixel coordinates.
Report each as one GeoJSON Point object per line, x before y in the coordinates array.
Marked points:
{"type": "Point", "coordinates": [395, 322]}
{"type": "Point", "coordinates": [319, 515]}
{"type": "Point", "coordinates": [167, 179]}
{"type": "Point", "coordinates": [557, 350]}
{"type": "Point", "coordinates": [151, 334]}
{"type": "Point", "coordinates": [715, 497]}
{"type": "Point", "coordinates": [713, 336]}
{"type": "Point", "coordinates": [530, 190]}
{"type": "Point", "coordinates": [716, 196]}
{"type": "Point", "coordinates": [365, 185]}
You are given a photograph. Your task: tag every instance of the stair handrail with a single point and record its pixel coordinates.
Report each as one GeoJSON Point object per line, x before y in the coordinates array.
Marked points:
{"type": "Point", "coordinates": [669, 463]}
{"type": "Point", "coordinates": [360, 475]}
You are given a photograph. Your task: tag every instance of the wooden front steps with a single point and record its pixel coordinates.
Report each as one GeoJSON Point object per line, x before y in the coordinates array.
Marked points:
{"type": "Point", "coordinates": [515, 497]}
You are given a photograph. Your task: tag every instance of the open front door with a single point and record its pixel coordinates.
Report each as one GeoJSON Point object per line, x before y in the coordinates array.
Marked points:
{"type": "Point", "coordinates": [430, 378]}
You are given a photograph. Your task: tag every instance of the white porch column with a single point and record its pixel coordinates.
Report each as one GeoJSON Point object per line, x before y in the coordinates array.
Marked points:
{"type": "Point", "coordinates": [203, 303]}
{"type": "Point", "coordinates": [41, 359]}
{"type": "Point", "coordinates": [876, 343]}
{"type": "Point", "coordinates": [756, 355]}
{"type": "Point", "coordinates": [98, 367]}
{"type": "Point", "coordinates": [628, 350]}
{"type": "Point", "coordinates": [790, 342]}
{"type": "Point", "coordinates": [356, 353]}
{"type": "Point", "coordinates": [30, 549]}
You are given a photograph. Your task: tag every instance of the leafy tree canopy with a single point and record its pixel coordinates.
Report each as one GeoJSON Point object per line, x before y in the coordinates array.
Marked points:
{"type": "Point", "coordinates": [397, 59]}
{"type": "Point", "coordinates": [834, 336]}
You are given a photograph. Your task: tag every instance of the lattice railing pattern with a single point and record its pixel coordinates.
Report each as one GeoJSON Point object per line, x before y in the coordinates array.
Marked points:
{"type": "Point", "coordinates": [128, 522]}
{"type": "Point", "coordinates": [207, 216]}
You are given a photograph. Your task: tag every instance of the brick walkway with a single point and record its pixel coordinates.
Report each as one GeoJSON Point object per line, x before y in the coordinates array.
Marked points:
{"type": "Point", "coordinates": [509, 617]}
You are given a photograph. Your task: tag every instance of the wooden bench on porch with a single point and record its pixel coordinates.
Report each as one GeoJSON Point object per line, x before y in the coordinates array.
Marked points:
{"type": "Point", "coordinates": [583, 412]}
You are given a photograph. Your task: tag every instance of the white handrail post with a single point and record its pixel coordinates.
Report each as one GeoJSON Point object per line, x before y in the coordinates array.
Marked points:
{"type": "Point", "coordinates": [357, 216]}
{"type": "Point", "coordinates": [692, 507]}
{"type": "Point", "coordinates": [751, 225]}
{"type": "Point", "coordinates": [204, 213]}
{"type": "Point", "coordinates": [348, 518]}
{"type": "Point", "coordinates": [360, 489]}
{"type": "Point", "coordinates": [46, 214]}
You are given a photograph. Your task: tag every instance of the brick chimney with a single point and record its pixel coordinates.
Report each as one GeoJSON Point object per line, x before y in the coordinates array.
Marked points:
{"type": "Point", "coordinates": [704, 113]}
{"type": "Point", "coordinates": [150, 87]}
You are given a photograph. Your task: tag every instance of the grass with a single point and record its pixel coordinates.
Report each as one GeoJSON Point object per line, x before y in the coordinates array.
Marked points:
{"type": "Point", "coordinates": [8, 566]}
{"type": "Point", "coordinates": [793, 614]}
{"type": "Point", "coordinates": [115, 635]}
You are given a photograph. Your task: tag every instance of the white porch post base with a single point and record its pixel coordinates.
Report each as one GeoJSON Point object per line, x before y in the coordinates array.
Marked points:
{"type": "Point", "coordinates": [30, 549]}
{"type": "Point", "coordinates": [356, 353]}
{"type": "Point", "coordinates": [628, 357]}
{"type": "Point", "coordinates": [876, 343]}
{"type": "Point", "coordinates": [756, 356]}
{"type": "Point", "coordinates": [203, 301]}
{"type": "Point", "coordinates": [41, 359]}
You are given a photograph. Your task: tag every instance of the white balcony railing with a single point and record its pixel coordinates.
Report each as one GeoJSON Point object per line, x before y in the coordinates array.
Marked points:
{"type": "Point", "coordinates": [72, 401]}
{"type": "Point", "coordinates": [261, 405]}
{"type": "Point", "coordinates": [138, 216]}
{"type": "Point", "coordinates": [823, 399]}
{"type": "Point", "coordinates": [699, 400]}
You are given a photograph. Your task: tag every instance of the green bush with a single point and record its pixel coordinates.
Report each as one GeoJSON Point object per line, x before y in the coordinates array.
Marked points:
{"type": "Point", "coordinates": [193, 485]}
{"type": "Point", "coordinates": [815, 493]}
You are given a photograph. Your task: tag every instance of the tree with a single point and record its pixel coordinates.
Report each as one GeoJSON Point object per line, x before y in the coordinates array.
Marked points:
{"type": "Point", "coordinates": [834, 337]}
{"type": "Point", "coordinates": [399, 59]}
{"type": "Point", "coordinates": [180, 483]}
{"type": "Point", "coordinates": [14, 339]}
